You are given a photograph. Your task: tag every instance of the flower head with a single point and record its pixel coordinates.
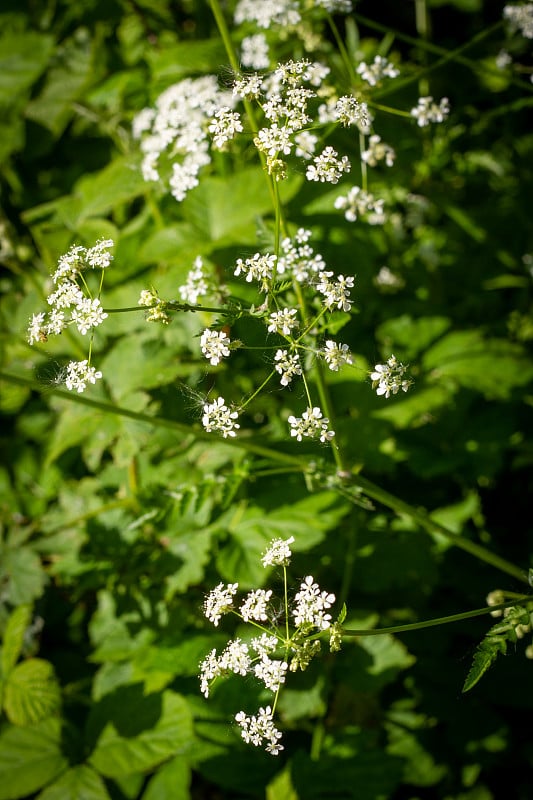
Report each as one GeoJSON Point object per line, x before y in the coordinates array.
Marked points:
{"type": "Point", "coordinates": [389, 378]}
{"type": "Point", "coordinates": [218, 417]}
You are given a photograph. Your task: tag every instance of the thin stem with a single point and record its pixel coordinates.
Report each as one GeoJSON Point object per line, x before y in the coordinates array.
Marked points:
{"type": "Point", "coordinates": [431, 623]}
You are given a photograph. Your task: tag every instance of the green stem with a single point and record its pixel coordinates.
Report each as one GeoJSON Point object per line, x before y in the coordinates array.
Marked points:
{"type": "Point", "coordinates": [430, 623]}
{"type": "Point", "coordinates": [428, 524]}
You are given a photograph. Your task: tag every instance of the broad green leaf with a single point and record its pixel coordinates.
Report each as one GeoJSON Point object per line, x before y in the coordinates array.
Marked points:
{"type": "Point", "coordinates": [411, 335]}
{"type": "Point", "coordinates": [171, 782]}
{"type": "Point", "coordinates": [389, 656]}
{"type": "Point", "coordinates": [31, 692]}
{"type": "Point", "coordinates": [14, 637]}
{"type": "Point", "coordinates": [79, 783]}
{"type": "Point", "coordinates": [30, 758]}
{"type": "Point", "coordinates": [26, 577]}
{"type": "Point", "coordinates": [360, 772]}
{"type": "Point", "coordinates": [120, 182]}
{"type": "Point", "coordinates": [173, 63]}
{"type": "Point", "coordinates": [141, 734]}
{"type": "Point", "coordinates": [280, 787]}
{"type": "Point", "coordinates": [23, 57]}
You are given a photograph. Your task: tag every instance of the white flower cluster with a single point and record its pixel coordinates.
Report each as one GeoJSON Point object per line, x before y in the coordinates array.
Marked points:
{"type": "Point", "coordinates": [357, 202]}
{"type": "Point", "coordinates": [311, 425]}
{"type": "Point", "coordinates": [257, 268]}
{"type": "Point", "coordinates": [288, 365]}
{"type": "Point", "coordinates": [254, 52]}
{"type": "Point", "coordinates": [174, 134]}
{"type": "Point", "coordinates": [257, 656]}
{"type": "Point", "coordinates": [156, 313]}
{"type": "Point", "coordinates": [214, 346]}
{"type": "Point", "coordinates": [327, 167]}
{"type": "Point", "coordinates": [218, 417]}
{"type": "Point", "coordinates": [85, 312]}
{"type": "Point", "coordinates": [521, 18]}
{"type": "Point", "coordinates": [197, 284]}
{"type": "Point", "coordinates": [266, 13]}
{"type": "Point", "coordinates": [375, 72]}
{"type": "Point", "coordinates": [336, 355]}
{"type": "Point", "coordinates": [428, 111]}
{"type": "Point", "coordinates": [336, 292]}
{"type": "Point", "coordinates": [298, 259]}
{"type": "Point", "coordinates": [389, 378]}
{"type": "Point", "coordinates": [378, 151]}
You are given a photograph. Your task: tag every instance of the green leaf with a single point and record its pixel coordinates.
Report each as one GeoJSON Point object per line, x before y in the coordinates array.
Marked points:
{"type": "Point", "coordinates": [120, 182]}
{"type": "Point", "coordinates": [485, 655]}
{"type": "Point", "coordinates": [23, 57]}
{"type": "Point", "coordinates": [175, 62]}
{"type": "Point", "coordinates": [13, 638]}
{"type": "Point", "coordinates": [30, 758]}
{"type": "Point", "coordinates": [171, 782]}
{"type": "Point", "coordinates": [139, 732]}
{"type": "Point", "coordinates": [79, 783]}
{"type": "Point", "coordinates": [25, 573]}
{"type": "Point", "coordinates": [31, 692]}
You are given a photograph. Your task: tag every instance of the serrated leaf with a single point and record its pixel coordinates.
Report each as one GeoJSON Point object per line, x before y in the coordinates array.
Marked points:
{"type": "Point", "coordinates": [30, 758]}
{"type": "Point", "coordinates": [14, 637]}
{"type": "Point", "coordinates": [141, 733]}
{"type": "Point", "coordinates": [26, 577]}
{"type": "Point", "coordinates": [484, 656]}
{"type": "Point", "coordinates": [79, 783]}
{"type": "Point", "coordinates": [31, 692]}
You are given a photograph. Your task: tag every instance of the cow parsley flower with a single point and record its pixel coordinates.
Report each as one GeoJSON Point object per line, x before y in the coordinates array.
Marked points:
{"type": "Point", "coordinates": [336, 355]}
{"type": "Point", "coordinates": [257, 268]}
{"type": "Point", "coordinates": [350, 111]}
{"type": "Point", "coordinates": [327, 167]}
{"type": "Point", "coordinates": [389, 378]}
{"type": "Point", "coordinates": [255, 605]}
{"type": "Point", "coordinates": [79, 374]}
{"type": "Point", "coordinates": [311, 605]}
{"type": "Point", "coordinates": [337, 292]}
{"type": "Point", "coordinates": [283, 321]}
{"type": "Point", "coordinates": [259, 729]}
{"type": "Point", "coordinates": [197, 283]}
{"type": "Point", "coordinates": [521, 18]}
{"type": "Point", "coordinates": [311, 425]}
{"type": "Point", "coordinates": [279, 553]}
{"type": "Point", "coordinates": [218, 417]}
{"type": "Point", "coordinates": [254, 52]}
{"type": "Point", "coordinates": [219, 601]}
{"type": "Point", "coordinates": [214, 345]}
{"type": "Point", "coordinates": [288, 365]}
{"type": "Point", "coordinates": [88, 314]}
{"type": "Point", "coordinates": [428, 111]}
{"type": "Point", "coordinates": [375, 72]}
{"type": "Point", "coordinates": [224, 125]}
{"type": "Point", "coordinates": [378, 151]}
{"type": "Point", "coordinates": [359, 202]}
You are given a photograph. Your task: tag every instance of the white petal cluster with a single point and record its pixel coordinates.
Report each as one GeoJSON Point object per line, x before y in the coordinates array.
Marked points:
{"type": "Point", "coordinates": [288, 365]}
{"type": "Point", "coordinates": [521, 18]}
{"type": "Point", "coordinates": [358, 202]}
{"type": "Point", "coordinates": [266, 13]}
{"type": "Point", "coordinates": [283, 321]}
{"type": "Point", "coordinates": [389, 378]}
{"type": "Point", "coordinates": [255, 605]}
{"type": "Point", "coordinates": [257, 268]}
{"type": "Point", "coordinates": [378, 151]}
{"type": "Point", "coordinates": [223, 127]}
{"type": "Point", "coordinates": [336, 292]}
{"type": "Point", "coordinates": [350, 111]}
{"type": "Point", "coordinates": [298, 258]}
{"type": "Point", "coordinates": [311, 605]}
{"type": "Point", "coordinates": [375, 72]}
{"type": "Point", "coordinates": [427, 111]}
{"type": "Point", "coordinates": [279, 553]}
{"type": "Point", "coordinates": [197, 284]}
{"type": "Point", "coordinates": [218, 417]}
{"type": "Point", "coordinates": [79, 374]}
{"type": "Point", "coordinates": [259, 729]}
{"type": "Point", "coordinates": [327, 167]}
{"type": "Point", "coordinates": [214, 345]}
{"type": "Point", "coordinates": [219, 601]}
{"type": "Point", "coordinates": [311, 425]}
{"type": "Point", "coordinates": [336, 355]}
{"type": "Point", "coordinates": [87, 314]}
{"type": "Point", "coordinates": [254, 52]}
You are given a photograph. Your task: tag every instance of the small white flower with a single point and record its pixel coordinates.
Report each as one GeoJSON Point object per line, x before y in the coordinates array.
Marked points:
{"type": "Point", "coordinates": [279, 553]}
{"type": "Point", "coordinates": [351, 111]}
{"type": "Point", "coordinates": [520, 18]}
{"type": "Point", "coordinates": [428, 111]}
{"type": "Point", "coordinates": [255, 605]}
{"type": "Point", "coordinates": [219, 601]}
{"type": "Point", "coordinates": [283, 321]}
{"type": "Point", "coordinates": [311, 605]}
{"type": "Point", "coordinates": [327, 167]}
{"type": "Point", "coordinates": [311, 425]}
{"type": "Point", "coordinates": [336, 293]}
{"type": "Point", "coordinates": [389, 378]}
{"type": "Point", "coordinates": [259, 729]}
{"type": "Point", "coordinates": [271, 672]}
{"type": "Point", "coordinates": [254, 52]}
{"type": "Point", "coordinates": [224, 125]}
{"type": "Point", "coordinates": [99, 255]}
{"type": "Point", "coordinates": [375, 72]}
{"type": "Point", "coordinates": [88, 314]}
{"type": "Point", "coordinates": [218, 417]}
{"type": "Point", "coordinates": [259, 268]}
{"type": "Point", "coordinates": [336, 355]}
{"type": "Point", "coordinates": [78, 374]}
{"type": "Point", "coordinates": [288, 365]}
{"type": "Point", "coordinates": [37, 329]}
{"type": "Point", "coordinates": [197, 283]}
{"type": "Point", "coordinates": [214, 345]}
{"type": "Point", "coordinates": [358, 202]}
{"type": "Point", "coordinates": [264, 644]}
{"type": "Point", "coordinates": [378, 151]}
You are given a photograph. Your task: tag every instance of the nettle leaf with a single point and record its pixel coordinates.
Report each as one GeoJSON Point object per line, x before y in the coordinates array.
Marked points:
{"type": "Point", "coordinates": [79, 782]}
{"type": "Point", "coordinates": [493, 367]}
{"type": "Point", "coordinates": [13, 638]}
{"type": "Point", "coordinates": [138, 732]}
{"type": "Point", "coordinates": [26, 578]}
{"type": "Point", "coordinates": [495, 643]}
{"type": "Point", "coordinates": [31, 692]}
{"type": "Point", "coordinates": [30, 758]}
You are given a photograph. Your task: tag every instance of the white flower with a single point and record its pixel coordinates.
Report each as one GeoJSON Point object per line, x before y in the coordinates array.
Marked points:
{"type": "Point", "coordinates": [78, 374]}
{"type": "Point", "coordinates": [37, 329]}
{"type": "Point", "coordinates": [255, 605]}
{"type": "Point", "coordinates": [336, 354]}
{"type": "Point", "coordinates": [196, 285]}
{"type": "Point", "coordinates": [218, 417]}
{"type": "Point", "coordinates": [279, 553]}
{"type": "Point", "coordinates": [336, 293]}
{"type": "Point", "coordinates": [264, 644]}
{"type": "Point", "coordinates": [336, 6]}
{"type": "Point", "coordinates": [271, 672]}
{"type": "Point", "coordinates": [389, 377]}
{"type": "Point", "coordinates": [310, 425]}
{"type": "Point", "coordinates": [258, 729]}
{"type": "Point", "coordinates": [521, 18]}
{"type": "Point", "coordinates": [258, 267]}
{"type": "Point", "coordinates": [311, 605]}
{"type": "Point", "coordinates": [428, 111]}
{"type": "Point", "coordinates": [248, 87]}
{"type": "Point", "coordinates": [327, 167]}
{"type": "Point", "coordinates": [209, 670]}
{"type": "Point", "coordinates": [358, 202]}
{"type": "Point", "coordinates": [378, 151]}
{"type": "Point", "coordinates": [88, 314]}
{"type": "Point", "coordinates": [288, 365]}
{"type": "Point", "coordinates": [236, 658]}
{"type": "Point", "coordinates": [99, 255]}
{"type": "Point", "coordinates": [266, 13]}
{"type": "Point", "coordinates": [67, 294]}
{"type": "Point", "coordinates": [305, 144]}
{"type": "Point", "coordinates": [214, 345]}
{"type": "Point", "coordinates": [219, 601]}
{"type": "Point", "coordinates": [283, 321]}
{"type": "Point", "coordinates": [254, 52]}
{"type": "Point", "coordinates": [224, 125]}
{"type": "Point", "coordinates": [380, 68]}
{"type": "Point", "coordinates": [351, 111]}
